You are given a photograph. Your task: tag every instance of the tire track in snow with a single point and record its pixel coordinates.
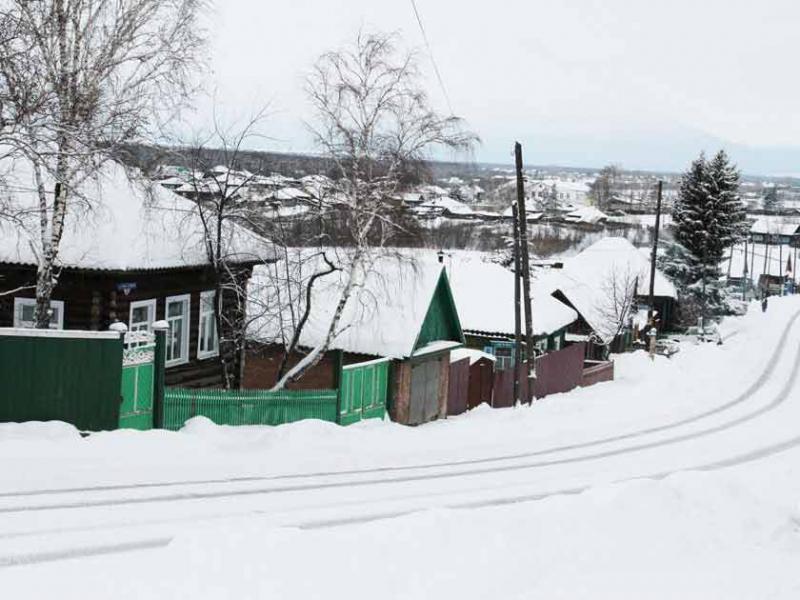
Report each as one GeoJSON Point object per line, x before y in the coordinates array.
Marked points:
{"type": "Point", "coordinates": [206, 495]}
{"type": "Point", "coordinates": [752, 389]}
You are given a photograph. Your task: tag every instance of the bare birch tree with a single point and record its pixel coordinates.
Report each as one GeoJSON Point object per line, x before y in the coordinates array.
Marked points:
{"type": "Point", "coordinates": [375, 124]}
{"type": "Point", "coordinates": [615, 305]}
{"type": "Point", "coordinates": [82, 78]}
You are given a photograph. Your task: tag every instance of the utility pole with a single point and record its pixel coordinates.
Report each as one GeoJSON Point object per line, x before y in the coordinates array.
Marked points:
{"type": "Point", "coordinates": [517, 308]}
{"type": "Point", "coordinates": [653, 256]}
{"type": "Point", "coordinates": [530, 371]}
{"type": "Point", "coordinates": [744, 274]}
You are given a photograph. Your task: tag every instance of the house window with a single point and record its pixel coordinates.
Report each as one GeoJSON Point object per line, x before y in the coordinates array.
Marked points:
{"type": "Point", "coordinates": [178, 336]}
{"type": "Point", "coordinates": [25, 309]}
{"type": "Point", "coordinates": [142, 315]}
{"type": "Point", "coordinates": [207, 341]}
{"type": "Point", "coordinates": [557, 343]}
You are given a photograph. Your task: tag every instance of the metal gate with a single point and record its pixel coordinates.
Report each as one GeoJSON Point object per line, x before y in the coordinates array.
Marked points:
{"type": "Point", "coordinates": [363, 390]}
{"type": "Point", "coordinates": [481, 383]}
{"type": "Point", "coordinates": [424, 399]}
{"type": "Point", "coordinates": [138, 380]}
{"type": "Point", "coordinates": [458, 387]}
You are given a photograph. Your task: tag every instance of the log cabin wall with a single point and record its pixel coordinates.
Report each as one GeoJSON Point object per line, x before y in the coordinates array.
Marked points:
{"type": "Point", "coordinates": [95, 299]}
{"type": "Point", "coordinates": [263, 361]}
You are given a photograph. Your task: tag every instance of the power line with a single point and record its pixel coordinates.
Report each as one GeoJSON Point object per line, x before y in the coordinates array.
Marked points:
{"type": "Point", "coordinates": [430, 53]}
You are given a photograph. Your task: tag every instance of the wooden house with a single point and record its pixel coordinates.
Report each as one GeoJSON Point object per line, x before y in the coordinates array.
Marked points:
{"type": "Point", "coordinates": [609, 278]}
{"type": "Point", "coordinates": [775, 233]}
{"type": "Point", "coordinates": [402, 310]}
{"type": "Point", "coordinates": [484, 295]}
{"type": "Point", "coordinates": [137, 256]}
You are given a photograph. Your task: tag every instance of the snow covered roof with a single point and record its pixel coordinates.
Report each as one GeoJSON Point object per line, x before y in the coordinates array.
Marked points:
{"type": "Point", "coordinates": [433, 190]}
{"type": "Point", "coordinates": [772, 227]}
{"type": "Point", "coordinates": [448, 204]}
{"type": "Point", "coordinates": [117, 224]}
{"type": "Point", "coordinates": [586, 214]}
{"type": "Point", "coordinates": [383, 316]}
{"type": "Point", "coordinates": [585, 279]}
{"type": "Point", "coordinates": [531, 216]}
{"type": "Point", "coordinates": [472, 354]}
{"type": "Point", "coordinates": [484, 296]}
{"type": "Point", "coordinates": [412, 197]}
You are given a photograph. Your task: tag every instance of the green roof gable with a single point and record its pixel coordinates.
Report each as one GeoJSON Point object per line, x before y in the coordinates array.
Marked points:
{"type": "Point", "coordinates": [441, 321]}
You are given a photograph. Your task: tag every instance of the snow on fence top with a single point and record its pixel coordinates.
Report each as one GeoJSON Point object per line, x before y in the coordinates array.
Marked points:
{"type": "Point", "coordinates": [115, 223]}
{"type": "Point", "coordinates": [59, 333]}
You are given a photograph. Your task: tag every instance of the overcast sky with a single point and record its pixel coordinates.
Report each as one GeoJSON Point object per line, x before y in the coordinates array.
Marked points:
{"type": "Point", "coordinates": [643, 83]}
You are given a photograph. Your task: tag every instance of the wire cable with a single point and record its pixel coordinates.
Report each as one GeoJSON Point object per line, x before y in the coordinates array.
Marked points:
{"type": "Point", "coordinates": [430, 54]}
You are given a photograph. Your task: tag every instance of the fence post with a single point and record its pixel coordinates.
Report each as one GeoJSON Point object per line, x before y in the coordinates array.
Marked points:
{"type": "Point", "coordinates": [338, 384]}
{"type": "Point", "coordinates": [120, 329]}
{"type": "Point", "coordinates": [160, 329]}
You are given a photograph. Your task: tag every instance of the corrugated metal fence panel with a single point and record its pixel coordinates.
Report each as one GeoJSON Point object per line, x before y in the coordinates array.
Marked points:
{"type": "Point", "coordinates": [71, 379]}
{"type": "Point", "coordinates": [247, 407]}
{"type": "Point", "coordinates": [363, 390]}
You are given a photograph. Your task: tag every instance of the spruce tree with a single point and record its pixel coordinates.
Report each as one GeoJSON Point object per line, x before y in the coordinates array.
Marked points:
{"type": "Point", "coordinates": [771, 201]}
{"type": "Point", "coordinates": [690, 216]}
{"type": "Point", "coordinates": [709, 217]}
{"type": "Point", "coordinates": [724, 187]}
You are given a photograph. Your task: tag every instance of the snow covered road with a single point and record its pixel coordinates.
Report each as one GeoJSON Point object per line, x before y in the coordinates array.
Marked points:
{"type": "Point", "coordinates": [751, 413]}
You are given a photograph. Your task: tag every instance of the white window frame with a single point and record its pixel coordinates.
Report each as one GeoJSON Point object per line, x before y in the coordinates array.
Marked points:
{"type": "Point", "coordinates": [20, 302]}
{"type": "Point", "coordinates": [201, 313]}
{"type": "Point", "coordinates": [151, 304]}
{"type": "Point", "coordinates": [187, 298]}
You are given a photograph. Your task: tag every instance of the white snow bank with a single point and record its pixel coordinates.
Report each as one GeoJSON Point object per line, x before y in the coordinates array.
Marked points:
{"type": "Point", "coordinates": [37, 431]}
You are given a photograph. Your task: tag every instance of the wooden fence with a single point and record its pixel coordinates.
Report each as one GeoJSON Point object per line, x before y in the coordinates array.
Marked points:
{"type": "Point", "coordinates": [363, 391]}
{"type": "Point", "coordinates": [596, 371]}
{"type": "Point", "coordinates": [247, 407]}
{"type": "Point", "coordinates": [560, 371]}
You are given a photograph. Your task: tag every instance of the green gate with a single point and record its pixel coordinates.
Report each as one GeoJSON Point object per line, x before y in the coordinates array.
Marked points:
{"type": "Point", "coordinates": [363, 390]}
{"type": "Point", "coordinates": [139, 376]}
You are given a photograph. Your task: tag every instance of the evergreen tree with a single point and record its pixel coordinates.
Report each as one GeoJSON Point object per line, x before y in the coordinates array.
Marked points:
{"type": "Point", "coordinates": [771, 202]}
{"type": "Point", "coordinates": [709, 217]}
{"type": "Point", "coordinates": [691, 214]}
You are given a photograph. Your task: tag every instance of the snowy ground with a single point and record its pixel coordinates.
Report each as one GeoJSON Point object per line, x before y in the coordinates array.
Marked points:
{"type": "Point", "coordinates": [679, 480]}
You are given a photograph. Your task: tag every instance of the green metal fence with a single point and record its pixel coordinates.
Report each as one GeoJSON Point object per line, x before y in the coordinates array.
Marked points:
{"type": "Point", "coordinates": [247, 407]}
{"type": "Point", "coordinates": [71, 376]}
{"type": "Point", "coordinates": [363, 389]}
